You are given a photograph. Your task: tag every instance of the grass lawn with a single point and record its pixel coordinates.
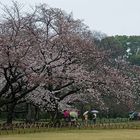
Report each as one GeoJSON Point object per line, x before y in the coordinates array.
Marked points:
{"type": "Point", "coordinates": [115, 134]}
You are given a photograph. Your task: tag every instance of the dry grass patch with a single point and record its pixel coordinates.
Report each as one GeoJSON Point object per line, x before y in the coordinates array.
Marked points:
{"type": "Point", "coordinates": [122, 134]}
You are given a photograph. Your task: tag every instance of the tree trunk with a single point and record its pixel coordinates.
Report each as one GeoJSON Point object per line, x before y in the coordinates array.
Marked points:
{"type": "Point", "coordinates": [29, 113]}
{"type": "Point", "coordinates": [36, 117]}
{"type": "Point", "coordinates": [10, 113]}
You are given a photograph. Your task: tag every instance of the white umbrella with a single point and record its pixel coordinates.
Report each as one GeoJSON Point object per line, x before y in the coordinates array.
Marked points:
{"type": "Point", "coordinates": [85, 113]}
{"type": "Point", "coordinates": [95, 111]}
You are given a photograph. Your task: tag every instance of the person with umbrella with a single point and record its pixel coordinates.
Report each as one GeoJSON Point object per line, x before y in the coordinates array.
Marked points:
{"type": "Point", "coordinates": [86, 117]}
{"type": "Point", "coordinates": [66, 116]}
{"type": "Point", "coordinates": [73, 117]}
{"type": "Point", "coordinates": [94, 116]}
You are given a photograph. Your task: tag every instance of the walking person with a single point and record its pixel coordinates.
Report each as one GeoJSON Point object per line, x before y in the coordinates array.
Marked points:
{"type": "Point", "coordinates": [73, 118]}
{"type": "Point", "coordinates": [85, 118]}
{"type": "Point", "coordinates": [94, 118]}
{"type": "Point", "coordinates": [66, 117]}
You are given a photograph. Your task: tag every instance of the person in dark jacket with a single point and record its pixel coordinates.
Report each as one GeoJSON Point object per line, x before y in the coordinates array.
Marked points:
{"type": "Point", "coordinates": [94, 118]}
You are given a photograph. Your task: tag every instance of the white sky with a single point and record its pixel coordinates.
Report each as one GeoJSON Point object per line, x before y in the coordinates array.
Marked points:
{"type": "Point", "coordinates": [113, 17]}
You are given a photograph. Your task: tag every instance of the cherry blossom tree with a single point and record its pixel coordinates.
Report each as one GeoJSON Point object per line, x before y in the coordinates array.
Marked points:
{"type": "Point", "coordinates": [41, 50]}
{"type": "Point", "coordinates": [49, 59]}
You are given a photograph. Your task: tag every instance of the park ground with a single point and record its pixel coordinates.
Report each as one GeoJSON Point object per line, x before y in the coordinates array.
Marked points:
{"type": "Point", "coordinates": [114, 134]}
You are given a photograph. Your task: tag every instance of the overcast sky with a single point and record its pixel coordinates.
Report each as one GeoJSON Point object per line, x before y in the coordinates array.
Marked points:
{"type": "Point", "coordinates": [113, 17]}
